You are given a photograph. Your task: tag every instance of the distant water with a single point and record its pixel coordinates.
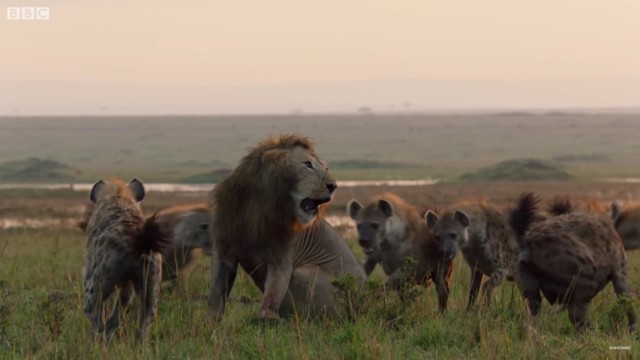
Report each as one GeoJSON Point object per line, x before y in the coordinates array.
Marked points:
{"type": "Point", "coordinates": [625, 180]}
{"type": "Point", "coordinates": [168, 187]}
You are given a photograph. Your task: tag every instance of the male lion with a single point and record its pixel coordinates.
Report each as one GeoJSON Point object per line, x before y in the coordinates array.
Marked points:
{"type": "Point", "coordinates": [267, 218]}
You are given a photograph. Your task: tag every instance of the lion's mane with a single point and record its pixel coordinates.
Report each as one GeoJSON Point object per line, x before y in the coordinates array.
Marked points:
{"type": "Point", "coordinates": [253, 206]}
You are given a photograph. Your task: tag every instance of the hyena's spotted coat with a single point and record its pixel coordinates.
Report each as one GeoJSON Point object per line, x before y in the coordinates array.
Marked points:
{"type": "Point", "coordinates": [123, 253]}
{"type": "Point", "coordinates": [483, 235]}
{"type": "Point", "coordinates": [568, 258]}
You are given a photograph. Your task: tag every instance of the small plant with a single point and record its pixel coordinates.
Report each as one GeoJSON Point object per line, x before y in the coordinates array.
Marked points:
{"type": "Point", "coordinates": [52, 313]}
{"type": "Point", "coordinates": [618, 312]}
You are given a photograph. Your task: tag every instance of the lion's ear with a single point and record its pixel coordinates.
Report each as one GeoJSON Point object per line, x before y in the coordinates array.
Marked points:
{"type": "Point", "coordinates": [274, 155]}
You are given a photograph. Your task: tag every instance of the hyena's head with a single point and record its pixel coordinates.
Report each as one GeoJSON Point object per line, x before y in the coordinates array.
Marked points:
{"type": "Point", "coordinates": [375, 226]}
{"type": "Point", "coordinates": [131, 194]}
{"type": "Point", "coordinates": [449, 230]}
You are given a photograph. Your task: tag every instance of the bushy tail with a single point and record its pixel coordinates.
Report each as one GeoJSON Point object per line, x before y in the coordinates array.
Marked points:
{"type": "Point", "coordinates": [525, 214]}
{"type": "Point", "coordinates": [154, 237]}
{"type": "Point", "coordinates": [560, 205]}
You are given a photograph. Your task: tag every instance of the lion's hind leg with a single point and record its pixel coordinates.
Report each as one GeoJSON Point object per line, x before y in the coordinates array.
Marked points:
{"type": "Point", "coordinates": [310, 293]}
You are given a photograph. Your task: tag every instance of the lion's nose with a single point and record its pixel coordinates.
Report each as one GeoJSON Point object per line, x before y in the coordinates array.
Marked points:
{"type": "Point", "coordinates": [331, 186]}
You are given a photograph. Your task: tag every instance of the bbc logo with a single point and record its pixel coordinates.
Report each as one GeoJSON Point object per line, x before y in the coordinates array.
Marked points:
{"type": "Point", "coordinates": [28, 13]}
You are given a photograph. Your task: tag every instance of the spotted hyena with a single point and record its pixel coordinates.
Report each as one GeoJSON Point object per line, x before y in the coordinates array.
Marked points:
{"type": "Point", "coordinates": [123, 254]}
{"type": "Point", "coordinates": [483, 235]}
{"type": "Point", "coordinates": [568, 258]}
{"type": "Point", "coordinates": [390, 230]}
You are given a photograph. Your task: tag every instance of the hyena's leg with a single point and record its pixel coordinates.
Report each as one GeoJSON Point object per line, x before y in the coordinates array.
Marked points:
{"type": "Point", "coordinates": [223, 275]}
{"type": "Point", "coordinates": [476, 280]}
{"type": "Point", "coordinates": [369, 264]}
{"type": "Point", "coordinates": [530, 288]}
{"type": "Point", "coordinates": [125, 296]}
{"type": "Point", "coordinates": [494, 280]}
{"type": "Point", "coordinates": [148, 290]}
{"type": "Point", "coordinates": [578, 314]}
{"type": "Point", "coordinates": [93, 304]}
{"type": "Point", "coordinates": [620, 286]}
{"type": "Point", "coordinates": [441, 280]}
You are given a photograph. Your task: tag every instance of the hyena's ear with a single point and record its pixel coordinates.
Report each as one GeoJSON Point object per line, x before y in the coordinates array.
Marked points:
{"type": "Point", "coordinates": [386, 207]}
{"type": "Point", "coordinates": [353, 207]}
{"type": "Point", "coordinates": [137, 189]}
{"type": "Point", "coordinates": [95, 190]}
{"type": "Point", "coordinates": [431, 219]}
{"type": "Point", "coordinates": [462, 217]}
{"type": "Point", "coordinates": [616, 207]}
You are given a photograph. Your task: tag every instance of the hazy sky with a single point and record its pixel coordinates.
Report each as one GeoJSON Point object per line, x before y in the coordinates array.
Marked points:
{"type": "Point", "coordinates": [149, 56]}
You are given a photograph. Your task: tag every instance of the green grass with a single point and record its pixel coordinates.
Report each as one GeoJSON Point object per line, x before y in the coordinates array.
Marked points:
{"type": "Point", "coordinates": [41, 317]}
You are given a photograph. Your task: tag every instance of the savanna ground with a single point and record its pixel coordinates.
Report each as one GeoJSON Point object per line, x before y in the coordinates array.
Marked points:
{"type": "Point", "coordinates": [40, 284]}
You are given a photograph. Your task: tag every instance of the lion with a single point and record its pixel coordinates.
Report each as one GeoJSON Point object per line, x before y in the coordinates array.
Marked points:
{"type": "Point", "coordinates": [390, 230]}
{"type": "Point", "coordinates": [267, 218]}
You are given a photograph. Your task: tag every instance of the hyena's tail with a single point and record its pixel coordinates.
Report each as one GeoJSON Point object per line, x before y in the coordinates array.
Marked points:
{"type": "Point", "coordinates": [154, 237]}
{"type": "Point", "coordinates": [560, 205]}
{"type": "Point", "coordinates": [524, 214]}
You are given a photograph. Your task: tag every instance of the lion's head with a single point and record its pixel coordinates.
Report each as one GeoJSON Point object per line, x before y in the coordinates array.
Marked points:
{"type": "Point", "coordinates": [313, 184]}
{"type": "Point", "coordinates": [279, 187]}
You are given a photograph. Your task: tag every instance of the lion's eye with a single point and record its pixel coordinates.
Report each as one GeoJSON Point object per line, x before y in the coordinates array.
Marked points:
{"type": "Point", "coordinates": [308, 164]}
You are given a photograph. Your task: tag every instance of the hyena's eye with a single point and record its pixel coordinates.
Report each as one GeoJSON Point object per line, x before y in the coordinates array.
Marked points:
{"type": "Point", "coordinates": [359, 226]}
{"type": "Point", "coordinates": [375, 226]}
{"type": "Point", "coordinates": [453, 236]}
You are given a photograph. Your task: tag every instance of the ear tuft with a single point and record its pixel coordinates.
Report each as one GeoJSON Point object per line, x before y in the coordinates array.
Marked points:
{"type": "Point", "coordinates": [137, 189]}
{"type": "Point", "coordinates": [462, 217]}
{"type": "Point", "coordinates": [353, 207]}
{"type": "Point", "coordinates": [431, 218]}
{"type": "Point", "coordinates": [95, 190]}
{"type": "Point", "coordinates": [616, 208]}
{"type": "Point", "coordinates": [386, 207]}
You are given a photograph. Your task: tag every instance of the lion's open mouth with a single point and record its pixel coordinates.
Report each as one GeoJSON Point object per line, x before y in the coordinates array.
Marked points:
{"type": "Point", "coordinates": [310, 206]}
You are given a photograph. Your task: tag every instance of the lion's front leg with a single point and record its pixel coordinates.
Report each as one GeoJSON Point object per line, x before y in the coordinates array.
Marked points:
{"type": "Point", "coordinates": [276, 286]}
{"type": "Point", "coordinates": [223, 275]}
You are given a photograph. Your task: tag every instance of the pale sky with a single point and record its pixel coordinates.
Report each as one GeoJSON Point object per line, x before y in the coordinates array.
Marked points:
{"type": "Point", "coordinates": [149, 56]}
